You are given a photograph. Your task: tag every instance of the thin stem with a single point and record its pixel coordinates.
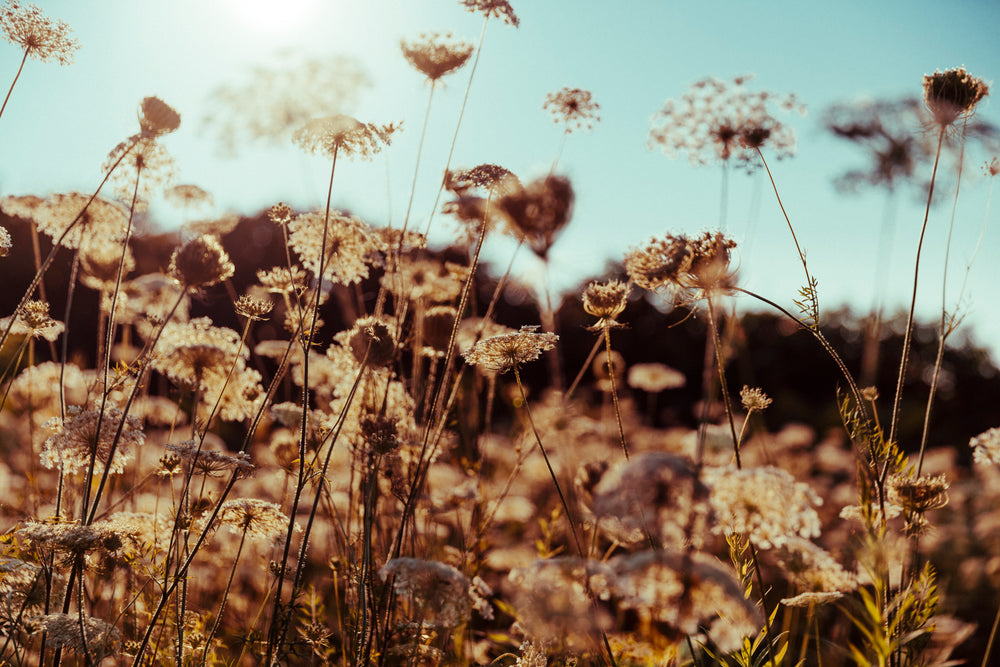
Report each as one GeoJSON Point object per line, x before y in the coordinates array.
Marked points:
{"type": "Point", "coordinates": [614, 390]}
{"type": "Point", "coordinates": [802, 256]}
{"type": "Point", "coordinates": [225, 596]}
{"type": "Point", "coordinates": [721, 368]}
{"type": "Point", "coordinates": [907, 337]}
{"type": "Point", "coordinates": [14, 82]}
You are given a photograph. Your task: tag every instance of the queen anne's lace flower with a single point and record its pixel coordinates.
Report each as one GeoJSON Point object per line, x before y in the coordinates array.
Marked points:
{"type": "Point", "coordinates": [42, 38]}
{"type": "Point", "coordinates": [75, 440]}
{"type": "Point", "coordinates": [986, 447]}
{"type": "Point", "coordinates": [435, 592]}
{"type": "Point", "coordinates": [503, 352]}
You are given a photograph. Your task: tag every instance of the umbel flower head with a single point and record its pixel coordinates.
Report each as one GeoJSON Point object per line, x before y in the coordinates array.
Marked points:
{"type": "Point", "coordinates": [539, 211]}
{"type": "Point", "coordinates": [606, 301]}
{"type": "Point", "coordinates": [952, 94]}
{"type": "Point", "coordinates": [435, 54]}
{"type": "Point", "coordinates": [201, 262]}
{"type": "Point", "coordinates": [503, 352]}
{"type": "Point", "coordinates": [42, 38]}
{"type": "Point", "coordinates": [6, 242]}
{"type": "Point", "coordinates": [157, 118]}
{"type": "Point", "coordinates": [344, 136]}
{"type": "Point", "coordinates": [573, 107]}
{"type": "Point", "coordinates": [494, 8]}
{"type": "Point", "coordinates": [694, 265]}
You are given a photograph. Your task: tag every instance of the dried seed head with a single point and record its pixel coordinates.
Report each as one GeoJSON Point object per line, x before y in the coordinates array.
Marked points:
{"type": "Point", "coordinates": [952, 94]}
{"type": "Point", "coordinates": [344, 136]}
{"type": "Point", "coordinates": [493, 8]}
{"type": "Point", "coordinates": [606, 301]}
{"type": "Point", "coordinates": [539, 211]}
{"type": "Point", "coordinates": [372, 337]}
{"type": "Point", "coordinates": [986, 447]}
{"type": "Point", "coordinates": [490, 177]}
{"type": "Point", "coordinates": [573, 107]}
{"type": "Point", "coordinates": [918, 494]}
{"type": "Point", "coordinates": [201, 262]}
{"type": "Point", "coordinates": [655, 377]}
{"type": "Point", "coordinates": [436, 54]}
{"type": "Point", "coordinates": [660, 263]}
{"type": "Point", "coordinates": [157, 118]}
{"type": "Point", "coordinates": [188, 195]}
{"type": "Point", "coordinates": [380, 433]}
{"type": "Point", "coordinates": [280, 214]}
{"type": "Point", "coordinates": [754, 400]}
{"type": "Point", "coordinates": [503, 352]}
{"type": "Point", "coordinates": [43, 38]}
{"type": "Point", "coordinates": [6, 242]}
{"type": "Point", "coordinates": [253, 308]}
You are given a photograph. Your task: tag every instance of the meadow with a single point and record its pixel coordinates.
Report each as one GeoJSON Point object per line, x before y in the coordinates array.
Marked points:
{"type": "Point", "coordinates": [300, 438]}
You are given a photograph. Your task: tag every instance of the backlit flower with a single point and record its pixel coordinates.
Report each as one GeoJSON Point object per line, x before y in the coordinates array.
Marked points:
{"type": "Point", "coordinates": [156, 117]}
{"type": "Point", "coordinates": [538, 211]}
{"type": "Point", "coordinates": [952, 94]}
{"type": "Point", "coordinates": [986, 447]}
{"type": "Point", "coordinates": [201, 262]}
{"type": "Point", "coordinates": [344, 136]}
{"type": "Point", "coordinates": [436, 54]}
{"type": "Point", "coordinates": [350, 245]}
{"type": "Point", "coordinates": [655, 377]}
{"type": "Point", "coordinates": [43, 38]}
{"type": "Point", "coordinates": [573, 107]}
{"type": "Point", "coordinates": [75, 440]}
{"type": "Point", "coordinates": [503, 352]}
{"type": "Point", "coordinates": [493, 8]}
{"type": "Point", "coordinates": [606, 301]}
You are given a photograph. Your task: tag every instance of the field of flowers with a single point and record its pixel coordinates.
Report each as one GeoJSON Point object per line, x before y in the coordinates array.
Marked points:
{"type": "Point", "coordinates": [301, 438]}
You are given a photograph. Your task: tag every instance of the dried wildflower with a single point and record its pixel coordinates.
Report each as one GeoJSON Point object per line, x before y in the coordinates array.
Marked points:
{"type": "Point", "coordinates": [435, 592]}
{"type": "Point", "coordinates": [493, 8]}
{"type": "Point", "coordinates": [918, 494]}
{"type": "Point", "coordinates": [992, 168]}
{"type": "Point", "coordinates": [280, 214]}
{"type": "Point", "coordinates": [690, 265]}
{"type": "Point", "coordinates": [754, 400]}
{"type": "Point", "coordinates": [869, 514]}
{"type": "Point", "coordinates": [684, 594]}
{"type": "Point", "coordinates": [489, 177]}
{"type": "Point", "coordinates": [217, 226]}
{"type": "Point", "coordinates": [194, 354]}
{"type": "Point", "coordinates": [606, 301]}
{"type": "Point", "coordinates": [146, 163]}
{"type": "Point", "coordinates": [157, 118]}
{"type": "Point", "coordinates": [552, 598]}
{"type": "Point", "coordinates": [188, 196]}
{"type": "Point", "coordinates": [100, 260]}
{"type": "Point", "coordinates": [539, 211]}
{"type": "Point", "coordinates": [952, 94]}
{"type": "Point", "coordinates": [435, 54]}
{"type": "Point", "coordinates": [380, 434]}
{"type": "Point", "coordinates": [350, 245]}
{"type": "Point", "coordinates": [655, 377]}
{"type": "Point", "coordinates": [813, 569]}
{"type": "Point", "coordinates": [371, 339]}
{"type": "Point", "coordinates": [6, 242]}
{"type": "Point", "coordinates": [258, 519]}
{"type": "Point", "coordinates": [281, 280]}
{"type": "Point", "coordinates": [765, 503]}
{"type": "Point", "coordinates": [211, 462]}
{"type": "Point", "coordinates": [503, 352]}
{"type": "Point", "coordinates": [201, 262]}
{"type": "Point", "coordinates": [55, 215]}
{"type": "Point", "coordinates": [870, 394]}
{"type": "Point", "coordinates": [75, 440]}
{"type": "Point", "coordinates": [344, 136]}
{"type": "Point", "coordinates": [986, 447]}
{"type": "Point", "coordinates": [714, 120]}
{"type": "Point", "coordinates": [656, 496]}
{"type": "Point", "coordinates": [97, 638]}
{"type": "Point", "coordinates": [34, 320]}
{"type": "Point", "coordinates": [573, 107]}
{"type": "Point", "coordinates": [42, 38]}
{"type": "Point", "coordinates": [253, 308]}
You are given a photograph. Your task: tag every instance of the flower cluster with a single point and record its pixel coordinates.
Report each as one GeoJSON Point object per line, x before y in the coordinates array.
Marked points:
{"type": "Point", "coordinates": [573, 107]}
{"type": "Point", "coordinates": [42, 38]}
{"type": "Point", "coordinates": [691, 265]}
{"type": "Point", "coordinates": [435, 55]}
{"type": "Point", "coordinates": [505, 351]}
{"type": "Point", "coordinates": [343, 136]}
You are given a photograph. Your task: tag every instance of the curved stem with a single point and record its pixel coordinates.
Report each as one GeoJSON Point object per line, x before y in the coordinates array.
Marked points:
{"type": "Point", "coordinates": [908, 336]}
{"type": "Point", "coordinates": [16, 77]}
{"type": "Point", "coordinates": [802, 256]}
{"type": "Point", "coordinates": [723, 385]}
{"type": "Point", "coordinates": [614, 390]}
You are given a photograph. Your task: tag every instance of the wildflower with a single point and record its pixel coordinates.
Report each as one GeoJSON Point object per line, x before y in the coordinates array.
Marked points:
{"type": "Point", "coordinates": [210, 462]}
{"type": "Point", "coordinates": [715, 119]}
{"type": "Point", "coordinates": [503, 352]}
{"type": "Point", "coordinates": [63, 631]}
{"type": "Point", "coordinates": [371, 340]}
{"type": "Point", "coordinates": [918, 494]}
{"type": "Point", "coordinates": [992, 168]}
{"type": "Point", "coordinates": [258, 519]}
{"type": "Point", "coordinates": [344, 136]}
{"type": "Point", "coordinates": [539, 211]}
{"type": "Point", "coordinates": [552, 598]}
{"type": "Point", "coordinates": [489, 177]}
{"type": "Point", "coordinates": [765, 503]}
{"type": "Point", "coordinates": [690, 265]}
{"type": "Point", "coordinates": [813, 569]}
{"type": "Point", "coordinates": [253, 308]}
{"type": "Point", "coordinates": [655, 377]}
{"type": "Point", "coordinates": [194, 354]}
{"type": "Point", "coordinates": [986, 447]}
{"type": "Point", "coordinates": [573, 107]}
{"type": "Point", "coordinates": [217, 227]}
{"type": "Point", "coordinates": [43, 38]}
{"type": "Point", "coordinates": [100, 260]}
{"type": "Point", "coordinates": [684, 594]}
{"type": "Point", "coordinates": [75, 440]}
{"type": "Point", "coordinates": [6, 242]}
{"type": "Point", "coordinates": [656, 496]}
{"type": "Point", "coordinates": [280, 214]}
{"type": "Point", "coordinates": [33, 320]}
{"type": "Point", "coordinates": [380, 434]}
{"type": "Point", "coordinates": [157, 118]}
{"type": "Point", "coordinates": [606, 301]}
{"type": "Point", "coordinates": [754, 400]}
{"type": "Point", "coordinates": [201, 262]}
{"type": "Point", "coordinates": [188, 196]}
{"type": "Point", "coordinates": [435, 54]}
{"type": "Point", "coordinates": [55, 215]}
{"type": "Point", "coordinates": [493, 8]}
{"type": "Point", "coordinates": [952, 94]}
{"type": "Point", "coordinates": [349, 245]}
{"type": "Point", "coordinates": [434, 591]}
{"type": "Point", "coordinates": [147, 164]}
{"type": "Point", "coordinates": [282, 280]}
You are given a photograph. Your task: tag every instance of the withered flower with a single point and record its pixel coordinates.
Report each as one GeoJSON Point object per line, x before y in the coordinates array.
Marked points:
{"type": "Point", "coordinates": [952, 94]}
{"type": "Point", "coordinates": [436, 54]}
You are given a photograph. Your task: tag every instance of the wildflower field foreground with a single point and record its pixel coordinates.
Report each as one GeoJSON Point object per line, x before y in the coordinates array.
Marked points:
{"type": "Point", "coordinates": [300, 438]}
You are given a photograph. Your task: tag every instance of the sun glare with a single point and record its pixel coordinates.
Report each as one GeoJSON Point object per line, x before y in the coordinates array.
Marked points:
{"type": "Point", "coordinates": [269, 16]}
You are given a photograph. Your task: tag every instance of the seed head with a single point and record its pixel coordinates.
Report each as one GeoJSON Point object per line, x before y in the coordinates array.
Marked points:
{"type": "Point", "coordinates": [188, 195]}
{"type": "Point", "coordinates": [503, 352]}
{"type": "Point", "coordinates": [253, 308]}
{"type": "Point", "coordinates": [754, 400]}
{"type": "Point", "coordinates": [344, 136]}
{"type": "Point", "coordinates": [573, 107]}
{"type": "Point", "coordinates": [986, 447]}
{"type": "Point", "coordinates": [539, 211]}
{"type": "Point", "coordinates": [157, 118]}
{"type": "Point", "coordinates": [6, 242]}
{"type": "Point", "coordinates": [493, 8]}
{"type": "Point", "coordinates": [655, 377]}
{"type": "Point", "coordinates": [435, 54]}
{"type": "Point", "coordinates": [918, 494]}
{"type": "Point", "coordinates": [952, 94]}
{"type": "Point", "coordinates": [280, 214]}
{"type": "Point", "coordinates": [201, 262]}
{"type": "Point", "coordinates": [380, 433]}
{"type": "Point", "coordinates": [43, 38]}
{"type": "Point", "coordinates": [259, 519]}
{"type": "Point", "coordinates": [606, 301]}
{"type": "Point", "coordinates": [373, 337]}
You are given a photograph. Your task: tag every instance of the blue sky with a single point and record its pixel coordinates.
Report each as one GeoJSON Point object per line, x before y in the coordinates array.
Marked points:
{"type": "Point", "coordinates": [634, 55]}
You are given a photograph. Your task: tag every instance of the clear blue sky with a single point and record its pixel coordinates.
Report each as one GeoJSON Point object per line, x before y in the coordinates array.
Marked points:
{"type": "Point", "coordinates": [633, 56]}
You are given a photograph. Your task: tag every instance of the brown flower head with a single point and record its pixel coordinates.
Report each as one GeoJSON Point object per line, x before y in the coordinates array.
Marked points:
{"type": "Point", "coordinates": [280, 213]}
{"type": "Point", "coordinates": [350, 245]}
{"type": "Point", "coordinates": [918, 494]}
{"type": "Point", "coordinates": [157, 118]}
{"type": "Point", "coordinates": [606, 301]}
{"type": "Point", "coordinates": [754, 400]}
{"type": "Point", "coordinates": [372, 337]}
{"type": "Point", "coordinates": [6, 242]}
{"type": "Point", "coordinates": [573, 107]}
{"type": "Point", "coordinates": [253, 308]}
{"type": "Point", "coordinates": [435, 54]}
{"type": "Point", "coordinates": [188, 195]}
{"type": "Point", "coordinates": [201, 262]}
{"type": "Point", "coordinates": [145, 161]}
{"type": "Point", "coordinates": [688, 265]}
{"type": "Point", "coordinates": [493, 8]}
{"type": "Point", "coordinates": [539, 211]}
{"type": "Point", "coordinates": [42, 38]}
{"type": "Point", "coordinates": [503, 352]}
{"type": "Point", "coordinates": [952, 94]}
{"type": "Point", "coordinates": [344, 136]}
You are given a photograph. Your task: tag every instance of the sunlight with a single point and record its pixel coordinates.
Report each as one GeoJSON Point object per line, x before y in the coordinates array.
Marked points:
{"type": "Point", "coordinates": [270, 17]}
